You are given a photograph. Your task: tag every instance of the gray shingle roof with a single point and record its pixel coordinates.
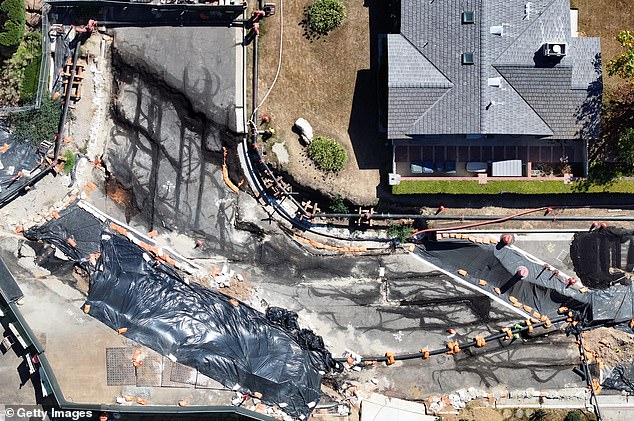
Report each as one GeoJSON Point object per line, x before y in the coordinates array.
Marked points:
{"type": "Point", "coordinates": [534, 97]}
{"type": "Point", "coordinates": [408, 68]}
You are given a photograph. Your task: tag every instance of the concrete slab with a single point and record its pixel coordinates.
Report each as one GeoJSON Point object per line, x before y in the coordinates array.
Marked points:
{"type": "Point", "coordinates": [381, 408]}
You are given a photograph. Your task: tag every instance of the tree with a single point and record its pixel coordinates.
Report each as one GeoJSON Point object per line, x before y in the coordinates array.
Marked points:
{"type": "Point", "coordinates": [623, 64]}
{"type": "Point", "coordinates": [13, 18]}
{"type": "Point", "coordinates": [327, 154]}
{"type": "Point", "coordinates": [325, 15]}
{"type": "Point", "coordinates": [626, 151]}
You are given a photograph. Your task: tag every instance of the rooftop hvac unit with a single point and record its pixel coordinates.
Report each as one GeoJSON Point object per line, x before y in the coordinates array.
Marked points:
{"type": "Point", "coordinates": [555, 49]}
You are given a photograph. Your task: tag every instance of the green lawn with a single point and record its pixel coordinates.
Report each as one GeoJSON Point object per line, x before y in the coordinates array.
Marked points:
{"type": "Point", "coordinates": [508, 186]}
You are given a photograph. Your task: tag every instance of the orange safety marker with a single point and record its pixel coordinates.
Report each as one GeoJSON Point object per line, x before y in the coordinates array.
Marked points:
{"type": "Point", "coordinates": [480, 342]}
{"type": "Point", "coordinates": [529, 325]}
{"type": "Point", "coordinates": [453, 348]}
{"type": "Point", "coordinates": [4, 148]}
{"type": "Point", "coordinates": [425, 352]}
{"type": "Point", "coordinates": [562, 310]}
{"type": "Point", "coordinates": [72, 242]}
{"type": "Point", "coordinates": [234, 302]}
{"type": "Point", "coordinates": [390, 358]}
{"type": "Point", "coordinates": [122, 330]}
{"type": "Point", "coordinates": [508, 332]}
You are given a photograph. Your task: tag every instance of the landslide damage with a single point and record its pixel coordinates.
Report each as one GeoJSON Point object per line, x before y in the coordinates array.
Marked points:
{"type": "Point", "coordinates": [169, 155]}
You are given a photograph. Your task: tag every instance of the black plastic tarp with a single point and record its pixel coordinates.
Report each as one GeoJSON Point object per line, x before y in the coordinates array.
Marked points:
{"type": "Point", "coordinates": [17, 157]}
{"type": "Point", "coordinates": [223, 338]}
{"type": "Point", "coordinates": [594, 253]}
{"type": "Point", "coordinates": [621, 378]}
{"type": "Point", "coordinates": [541, 290]}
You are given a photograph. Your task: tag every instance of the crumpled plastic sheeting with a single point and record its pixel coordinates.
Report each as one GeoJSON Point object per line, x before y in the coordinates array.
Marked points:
{"type": "Point", "coordinates": [541, 290]}
{"type": "Point", "coordinates": [621, 378]}
{"type": "Point", "coordinates": [594, 253]}
{"type": "Point", "coordinates": [19, 156]}
{"type": "Point", "coordinates": [223, 338]}
{"type": "Point", "coordinates": [76, 224]}
{"type": "Point", "coordinates": [615, 304]}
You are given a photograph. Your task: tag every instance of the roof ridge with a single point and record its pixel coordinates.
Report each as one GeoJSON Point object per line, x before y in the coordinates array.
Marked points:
{"type": "Point", "coordinates": [430, 108]}
{"type": "Point", "coordinates": [427, 59]}
{"type": "Point", "coordinates": [522, 96]}
{"type": "Point", "coordinates": [529, 26]}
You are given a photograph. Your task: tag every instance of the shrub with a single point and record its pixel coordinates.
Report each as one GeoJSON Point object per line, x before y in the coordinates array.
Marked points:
{"type": "Point", "coordinates": [338, 205]}
{"type": "Point", "coordinates": [13, 14]}
{"type": "Point", "coordinates": [399, 232]}
{"type": "Point", "coordinates": [14, 70]}
{"type": "Point", "coordinates": [69, 161]}
{"type": "Point", "coordinates": [626, 150]}
{"type": "Point", "coordinates": [325, 15]}
{"type": "Point", "coordinates": [37, 125]}
{"type": "Point", "coordinates": [573, 416]}
{"type": "Point", "coordinates": [327, 154]}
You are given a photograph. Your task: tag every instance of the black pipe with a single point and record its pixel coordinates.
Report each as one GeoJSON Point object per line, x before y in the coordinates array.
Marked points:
{"type": "Point", "coordinates": [586, 369]}
{"type": "Point", "coordinates": [471, 217]}
{"type": "Point", "coordinates": [465, 345]}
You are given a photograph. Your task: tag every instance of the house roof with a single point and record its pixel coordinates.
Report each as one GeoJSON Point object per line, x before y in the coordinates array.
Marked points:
{"type": "Point", "coordinates": [511, 88]}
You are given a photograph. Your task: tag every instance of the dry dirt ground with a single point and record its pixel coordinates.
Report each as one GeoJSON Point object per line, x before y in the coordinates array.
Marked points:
{"type": "Point", "coordinates": [508, 414]}
{"type": "Point", "coordinates": [610, 345]}
{"type": "Point", "coordinates": [606, 18]}
{"type": "Point", "coordinates": [326, 81]}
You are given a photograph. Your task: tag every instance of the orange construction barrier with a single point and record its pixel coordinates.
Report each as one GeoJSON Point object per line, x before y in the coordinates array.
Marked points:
{"type": "Point", "coordinates": [390, 358]}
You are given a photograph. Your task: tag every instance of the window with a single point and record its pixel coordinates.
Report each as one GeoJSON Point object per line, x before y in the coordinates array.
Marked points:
{"type": "Point", "coordinates": [468, 16]}
{"type": "Point", "coordinates": [467, 58]}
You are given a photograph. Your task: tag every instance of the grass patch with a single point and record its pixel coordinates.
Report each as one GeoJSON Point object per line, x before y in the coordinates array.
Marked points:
{"type": "Point", "coordinates": [509, 186]}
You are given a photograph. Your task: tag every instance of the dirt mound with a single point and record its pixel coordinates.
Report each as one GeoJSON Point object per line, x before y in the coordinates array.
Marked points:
{"type": "Point", "coordinates": [610, 345]}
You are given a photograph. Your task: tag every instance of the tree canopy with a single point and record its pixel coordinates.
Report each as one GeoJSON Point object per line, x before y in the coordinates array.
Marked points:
{"type": "Point", "coordinates": [623, 64]}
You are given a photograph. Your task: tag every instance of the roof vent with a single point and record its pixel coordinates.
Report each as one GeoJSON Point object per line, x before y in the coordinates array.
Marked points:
{"type": "Point", "coordinates": [468, 16]}
{"type": "Point", "coordinates": [554, 49]}
{"type": "Point", "coordinates": [467, 58]}
{"type": "Point", "coordinates": [497, 30]}
{"type": "Point", "coordinates": [527, 10]}
{"type": "Point", "coordinates": [495, 81]}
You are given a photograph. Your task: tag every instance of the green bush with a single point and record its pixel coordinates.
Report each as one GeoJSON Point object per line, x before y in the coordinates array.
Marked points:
{"type": "Point", "coordinates": [12, 89]}
{"type": "Point", "coordinates": [399, 232]}
{"type": "Point", "coordinates": [13, 14]}
{"type": "Point", "coordinates": [338, 205]}
{"type": "Point", "coordinates": [30, 79]}
{"type": "Point", "coordinates": [69, 161]}
{"type": "Point", "coordinates": [38, 125]}
{"type": "Point", "coordinates": [574, 416]}
{"type": "Point", "coordinates": [327, 154]}
{"type": "Point", "coordinates": [325, 15]}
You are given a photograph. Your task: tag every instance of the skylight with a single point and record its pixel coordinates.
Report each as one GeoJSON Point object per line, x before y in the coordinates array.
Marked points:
{"type": "Point", "coordinates": [467, 58]}
{"type": "Point", "coordinates": [468, 16]}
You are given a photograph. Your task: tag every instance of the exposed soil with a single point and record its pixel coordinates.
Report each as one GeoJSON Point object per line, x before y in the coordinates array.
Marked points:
{"type": "Point", "coordinates": [327, 81]}
{"type": "Point", "coordinates": [611, 345]}
{"type": "Point", "coordinates": [606, 18]}
{"type": "Point", "coordinates": [511, 414]}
